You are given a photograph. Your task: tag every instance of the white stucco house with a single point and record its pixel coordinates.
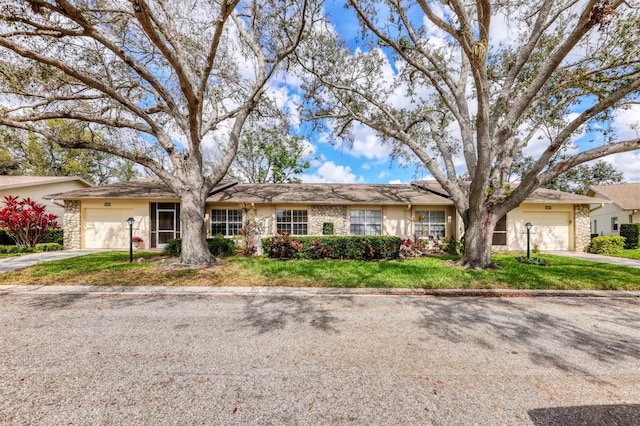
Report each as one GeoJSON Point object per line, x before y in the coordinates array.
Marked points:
{"type": "Point", "coordinates": [613, 206]}
{"type": "Point", "coordinates": [96, 217]}
{"type": "Point", "coordinates": [36, 187]}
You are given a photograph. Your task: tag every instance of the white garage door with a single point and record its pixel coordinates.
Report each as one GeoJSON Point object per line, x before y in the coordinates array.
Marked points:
{"type": "Point", "coordinates": [550, 230]}
{"type": "Point", "coordinates": [106, 228]}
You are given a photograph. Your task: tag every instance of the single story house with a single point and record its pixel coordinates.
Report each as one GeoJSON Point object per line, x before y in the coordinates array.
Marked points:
{"type": "Point", "coordinates": [613, 206]}
{"type": "Point", "coordinates": [36, 187]}
{"type": "Point", "coordinates": [96, 217]}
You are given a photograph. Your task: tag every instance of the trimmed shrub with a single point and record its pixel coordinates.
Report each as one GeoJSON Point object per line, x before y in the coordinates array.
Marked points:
{"type": "Point", "coordinates": [218, 246]}
{"type": "Point", "coordinates": [533, 260]}
{"type": "Point", "coordinates": [631, 234]}
{"type": "Point", "coordinates": [281, 246]}
{"type": "Point", "coordinates": [333, 247]}
{"type": "Point", "coordinates": [54, 235]}
{"type": "Point", "coordinates": [327, 228]}
{"type": "Point", "coordinates": [610, 244]}
{"type": "Point", "coordinates": [15, 249]}
{"type": "Point", "coordinates": [48, 247]}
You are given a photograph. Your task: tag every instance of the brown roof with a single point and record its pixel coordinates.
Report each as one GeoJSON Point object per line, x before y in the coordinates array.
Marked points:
{"type": "Point", "coordinates": [327, 193]}
{"type": "Point", "coordinates": [8, 182]}
{"type": "Point", "coordinates": [303, 193]}
{"type": "Point", "coordinates": [142, 188]}
{"type": "Point", "coordinates": [318, 193]}
{"type": "Point", "coordinates": [540, 195]}
{"type": "Point", "coordinates": [625, 195]}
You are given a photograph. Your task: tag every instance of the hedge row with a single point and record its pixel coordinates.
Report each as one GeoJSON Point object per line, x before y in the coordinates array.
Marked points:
{"type": "Point", "coordinates": [283, 246]}
{"type": "Point", "coordinates": [13, 249]}
{"type": "Point", "coordinates": [631, 234]}
{"type": "Point", "coordinates": [607, 245]}
{"type": "Point", "coordinates": [218, 246]}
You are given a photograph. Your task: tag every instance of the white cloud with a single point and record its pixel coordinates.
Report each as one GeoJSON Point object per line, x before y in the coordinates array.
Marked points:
{"type": "Point", "coordinates": [367, 145]}
{"type": "Point", "coordinates": [329, 172]}
{"type": "Point", "coordinates": [628, 163]}
{"type": "Point", "coordinates": [395, 182]}
{"type": "Point", "coordinates": [627, 123]}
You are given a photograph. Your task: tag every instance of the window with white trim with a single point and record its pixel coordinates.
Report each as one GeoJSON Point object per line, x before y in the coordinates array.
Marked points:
{"type": "Point", "coordinates": [292, 221]}
{"type": "Point", "coordinates": [366, 222]}
{"type": "Point", "coordinates": [614, 223]}
{"type": "Point", "coordinates": [430, 223]}
{"type": "Point", "coordinates": [226, 222]}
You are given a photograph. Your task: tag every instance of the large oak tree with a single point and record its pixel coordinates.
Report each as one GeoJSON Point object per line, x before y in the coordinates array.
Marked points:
{"type": "Point", "coordinates": [158, 78]}
{"type": "Point", "coordinates": [465, 86]}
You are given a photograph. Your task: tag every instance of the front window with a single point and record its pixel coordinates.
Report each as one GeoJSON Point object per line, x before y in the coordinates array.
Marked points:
{"type": "Point", "coordinates": [293, 222]}
{"type": "Point", "coordinates": [366, 222]}
{"type": "Point", "coordinates": [226, 221]}
{"type": "Point", "coordinates": [614, 223]}
{"type": "Point", "coordinates": [430, 223]}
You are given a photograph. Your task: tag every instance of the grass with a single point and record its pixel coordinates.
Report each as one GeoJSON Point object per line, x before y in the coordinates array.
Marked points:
{"type": "Point", "coordinates": [629, 254]}
{"type": "Point", "coordinates": [112, 268]}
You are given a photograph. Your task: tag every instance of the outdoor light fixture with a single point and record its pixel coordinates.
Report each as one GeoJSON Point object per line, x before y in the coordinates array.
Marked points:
{"type": "Point", "coordinates": [528, 225]}
{"type": "Point", "coordinates": [130, 222]}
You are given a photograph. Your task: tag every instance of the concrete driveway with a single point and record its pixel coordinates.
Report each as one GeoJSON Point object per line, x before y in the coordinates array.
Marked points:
{"type": "Point", "coordinates": [18, 262]}
{"type": "Point", "coordinates": [140, 359]}
{"type": "Point", "coordinates": [632, 263]}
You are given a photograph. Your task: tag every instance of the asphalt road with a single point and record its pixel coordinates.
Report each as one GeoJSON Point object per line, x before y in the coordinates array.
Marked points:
{"type": "Point", "coordinates": [80, 359]}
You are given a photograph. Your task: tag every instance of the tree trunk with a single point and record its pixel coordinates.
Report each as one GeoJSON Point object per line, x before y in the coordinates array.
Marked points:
{"type": "Point", "coordinates": [478, 237]}
{"type": "Point", "coordinates": [195, 251]}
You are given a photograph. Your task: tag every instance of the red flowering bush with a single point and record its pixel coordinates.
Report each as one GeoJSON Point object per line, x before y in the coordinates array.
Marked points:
{"type": "Point", "coordinates": [281, 246]}
{"type": "Point", "coordinates": [26, 221]}
{"type": "Point", "coordinates": [137, 239]}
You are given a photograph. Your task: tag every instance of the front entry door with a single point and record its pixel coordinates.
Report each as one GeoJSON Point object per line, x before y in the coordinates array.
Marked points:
{"type": "Point", "coordinates": [166, 220]}
{"type": "Point", "coordinates": [165, 223]}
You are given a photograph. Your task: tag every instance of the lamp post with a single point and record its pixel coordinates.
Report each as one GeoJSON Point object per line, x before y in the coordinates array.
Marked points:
{"type": "Point", "coordinates": [130, 222]}
{"type": "Point", "coordinates": [528, 225]}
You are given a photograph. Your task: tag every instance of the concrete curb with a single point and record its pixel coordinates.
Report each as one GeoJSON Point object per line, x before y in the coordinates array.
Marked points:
{"type": "Point", "coordinates": [307, 291]}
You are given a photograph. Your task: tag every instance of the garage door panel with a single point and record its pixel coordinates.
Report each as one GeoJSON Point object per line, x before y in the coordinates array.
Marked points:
{"type": "Point", "coordinates": [550, 231]}
{"type": "Point", "coordinates": [106, 228]}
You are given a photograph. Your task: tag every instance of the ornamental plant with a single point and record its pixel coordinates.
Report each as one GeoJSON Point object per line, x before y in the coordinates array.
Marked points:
{"type": "Point", "coordinates": [26, 221]}
{"type": "Point", "coordinates": [137, 239]}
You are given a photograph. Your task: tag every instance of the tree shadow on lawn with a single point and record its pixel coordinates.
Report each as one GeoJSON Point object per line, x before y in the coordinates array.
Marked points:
{"type": "Point", "coordinates": [273, 313]}
{"type": "Point", "coordinates": [547, 339]}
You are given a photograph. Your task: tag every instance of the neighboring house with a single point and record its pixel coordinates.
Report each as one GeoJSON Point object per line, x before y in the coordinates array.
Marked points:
{"type": "Point", "coordinates": [36, 187]}
{"type": "Point", "coordinates": [96, 217]}
{"type": "Point", "coordinates": [617, 204]}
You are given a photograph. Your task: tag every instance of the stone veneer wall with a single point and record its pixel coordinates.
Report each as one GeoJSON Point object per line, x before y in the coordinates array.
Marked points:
{"type": "Point", "coordinates": [335, 214]}
{"type": "Point", "coordinates": [582, 227]}
{"type": "Point", "coordinates": [72, 224]}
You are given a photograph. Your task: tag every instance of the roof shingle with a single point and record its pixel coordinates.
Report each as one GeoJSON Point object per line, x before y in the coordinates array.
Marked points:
{"type": "Point", "coordinates": [625, 195]}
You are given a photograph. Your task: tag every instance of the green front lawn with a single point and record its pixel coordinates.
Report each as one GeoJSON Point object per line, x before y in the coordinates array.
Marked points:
{"type": "Point", "coordinates": [113, 269]}
{"type": "Point", "coordinates": [629, 254]}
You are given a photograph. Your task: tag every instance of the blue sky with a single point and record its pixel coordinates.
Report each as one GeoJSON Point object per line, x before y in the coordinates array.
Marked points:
{"type": "Point", "coordinates": [368, 161]}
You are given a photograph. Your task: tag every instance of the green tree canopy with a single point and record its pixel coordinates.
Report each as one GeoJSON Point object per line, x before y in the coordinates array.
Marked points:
{"type": "Point", "coordinates": [270, 156]}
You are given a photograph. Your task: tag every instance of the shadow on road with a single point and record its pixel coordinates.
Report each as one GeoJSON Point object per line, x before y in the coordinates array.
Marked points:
{"type": "Point", "coordinates": [540, 335]}
{"type": "Point", "coordinates": [588, 415]}
{"type": "Point", "coordinates": [267, 314]}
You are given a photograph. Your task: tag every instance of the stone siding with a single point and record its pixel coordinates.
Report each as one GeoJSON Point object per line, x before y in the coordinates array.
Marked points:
{"type": "Point", "coordinates": [334, 214]}
{"type": "Point", "coordinates": [72, 224]}
{"type": "Point", "coordinates": [582, 227]}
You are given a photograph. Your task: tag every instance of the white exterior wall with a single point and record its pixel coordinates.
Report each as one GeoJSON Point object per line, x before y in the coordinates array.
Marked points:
{"type": "Point", "coordinates": [37, 192]}
{"type": "Point", "coordinates": [602, 215]}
